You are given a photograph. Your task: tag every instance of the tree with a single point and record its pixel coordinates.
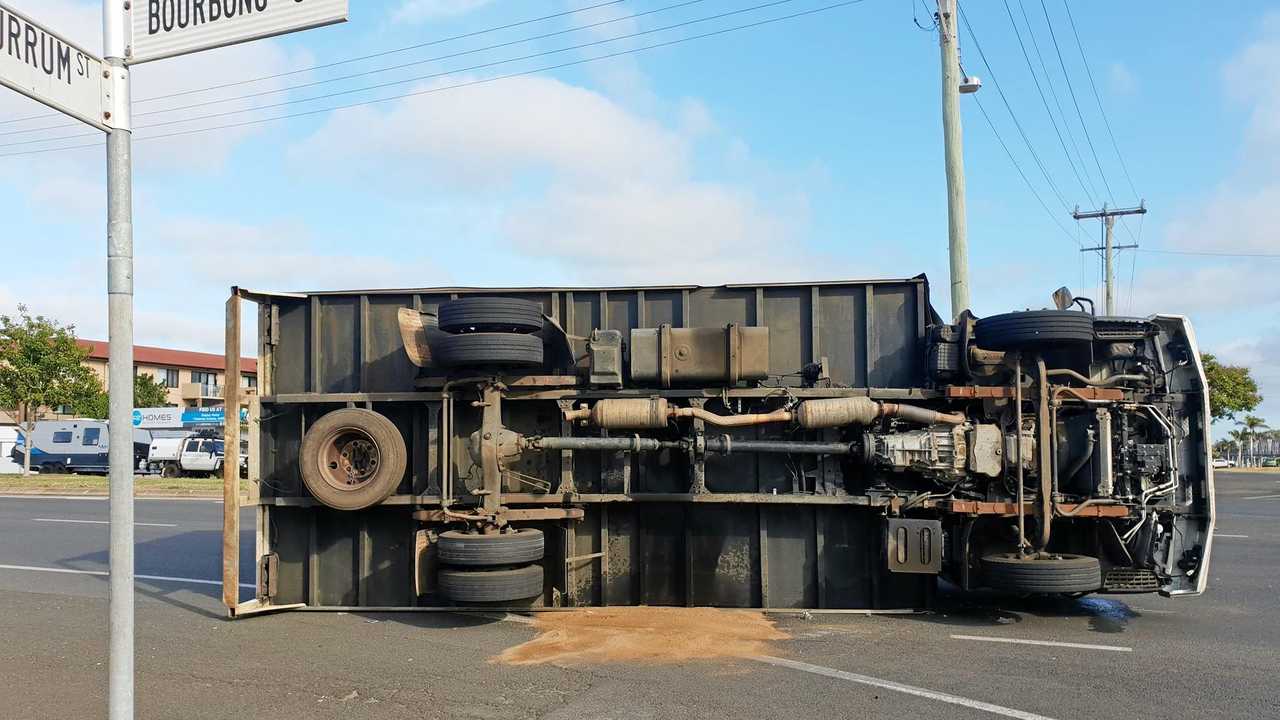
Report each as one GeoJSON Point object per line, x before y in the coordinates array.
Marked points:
{"type": "Point", "coordinates": [1231, 389]}
{"type": "Point", "coordinates": [94, 402]}
{"type": "Point", "coordinates": [1252, 425]}
{"type": "Point", "coordinates": [40, 366]}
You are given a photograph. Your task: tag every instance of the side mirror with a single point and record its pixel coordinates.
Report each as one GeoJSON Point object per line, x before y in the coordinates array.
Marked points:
{"type": "Point", "coordinates": [1062, 298]}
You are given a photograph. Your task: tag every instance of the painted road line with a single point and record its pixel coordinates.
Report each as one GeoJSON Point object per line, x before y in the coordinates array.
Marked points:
{"type": "Point", "coordinates": [1226, 535]}
{"type": "Point", "coordinates": [1262, 497]}
{"type": "Point", "coordinates": [104, 573]}
{"type": "Point", "coordinates": [1049, 643]}
{"type": "Point", "coordinates": [899, 687]}
{"type": "Point", "coordinates": [99, 522]}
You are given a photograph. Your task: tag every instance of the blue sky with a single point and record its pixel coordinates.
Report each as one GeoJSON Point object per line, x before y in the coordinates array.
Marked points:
{"type": "Point", "coordinates": [808, 148]}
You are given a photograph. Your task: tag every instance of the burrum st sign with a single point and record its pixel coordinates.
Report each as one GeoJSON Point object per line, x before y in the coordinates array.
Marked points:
{"type": "Point", "coordinates": [165, 28]}
{"type": "Point", "coordinates": [50, 69]}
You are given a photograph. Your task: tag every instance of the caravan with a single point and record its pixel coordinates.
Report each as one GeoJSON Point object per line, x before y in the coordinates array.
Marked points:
{"type": "Point", "coordinates": [76, 445]}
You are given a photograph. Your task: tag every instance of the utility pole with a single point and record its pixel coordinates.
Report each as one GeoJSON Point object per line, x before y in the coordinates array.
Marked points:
{"type": "Point", "coordinates": [1107, 248]}
{"type": "Point", "coordinates": [953, 150]}
{"type": "Point", "coordinates": [115, 19]}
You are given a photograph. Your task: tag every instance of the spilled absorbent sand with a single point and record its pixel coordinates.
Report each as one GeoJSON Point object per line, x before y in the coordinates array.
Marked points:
{"type": "Point", "coordinates": [644, 635]}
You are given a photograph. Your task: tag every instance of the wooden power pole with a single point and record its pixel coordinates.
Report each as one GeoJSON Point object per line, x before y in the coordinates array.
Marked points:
{"type": "Point", "coordinates": [1108, 248]}
{"type": "Point", "coordinates": [957, 241]}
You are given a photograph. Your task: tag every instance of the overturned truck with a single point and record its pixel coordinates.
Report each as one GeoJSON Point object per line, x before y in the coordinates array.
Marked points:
{"type": "Point", "coordinates": [824, 445]}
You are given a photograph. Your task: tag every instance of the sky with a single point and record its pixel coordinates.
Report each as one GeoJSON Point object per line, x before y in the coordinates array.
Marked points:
{"type": "Point", "coordinates": [806, 148]}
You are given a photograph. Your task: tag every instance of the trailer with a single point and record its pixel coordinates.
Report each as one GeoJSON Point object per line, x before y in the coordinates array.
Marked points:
{"type": "Point", "coordinates": [76, 445]}
{"type": "Point", "coordinates": [831, 445]}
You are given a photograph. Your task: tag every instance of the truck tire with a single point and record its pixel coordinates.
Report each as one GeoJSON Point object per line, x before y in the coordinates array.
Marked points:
{"type": "Point", "coordinates": [352, 459]}
{"type": "Point", "coordinates": [169, 470]}
{"type": "Point", "coordinates": [484, 586]}
{"type": "Point", "coordinates": [490, 314]}
{"type": "Point", "coordinates": [473, 550]}
{"type": "Point", "coordinates": [1034, 329]}
{"type": "Point", "coordinates": [1051, 574]}
{"type": "Point", "coordinates": [488, 349]}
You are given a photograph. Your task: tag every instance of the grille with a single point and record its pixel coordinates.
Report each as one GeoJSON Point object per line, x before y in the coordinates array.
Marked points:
{"type": "Point", "coordinates": [1131, 580]}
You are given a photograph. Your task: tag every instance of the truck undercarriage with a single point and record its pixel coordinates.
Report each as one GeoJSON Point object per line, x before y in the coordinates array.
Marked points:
{"type": "Point", "coordinates": [781, 446]}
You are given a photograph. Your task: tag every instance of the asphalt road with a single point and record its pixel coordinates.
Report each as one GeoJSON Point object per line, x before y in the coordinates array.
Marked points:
{"type": "Point", "coordinates": [1135, 656]}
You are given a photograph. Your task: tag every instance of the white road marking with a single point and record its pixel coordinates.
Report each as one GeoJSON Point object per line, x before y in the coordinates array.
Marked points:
{"type": "Point", "coordinates": [1049, 643]}
{"type": "Point", "coordinates": [1262, 497]}
{"type": "Point", "coordinates": [1225, 535]}
{"type": "Point", "coordinates": [899, 687]}
{"type": "Point", "coordinates": [104, 573]}
{"type": "Point", "coordinates": [99, 522]}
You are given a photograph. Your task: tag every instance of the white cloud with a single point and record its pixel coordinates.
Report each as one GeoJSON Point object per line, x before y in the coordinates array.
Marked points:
{"type": "Point", "coordinates": [420, 10]}
{"type": "Point", "coordinates": [617, 194]}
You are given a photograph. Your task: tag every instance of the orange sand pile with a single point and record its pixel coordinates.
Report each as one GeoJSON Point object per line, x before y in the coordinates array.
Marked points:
{"type": "Point", "coordinates": [644, 635]}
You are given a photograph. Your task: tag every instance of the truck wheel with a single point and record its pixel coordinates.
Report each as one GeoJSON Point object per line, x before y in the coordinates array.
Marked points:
{"type": "Point", "coordinates": [169, 470]}
{"type": "Point", "coordinates": [490, 314]}
{"type": "Point", "coordinates": [1034, 329]}
{"type": "Point", "coordinates": [479, 586]}
{"type": "Point", "coordinates": [493, 349]}
{"type": "Point", "coordinates": [475, 550]}
{"type": "Point", "coordinates": [1049, 574]}
{"type": "Point", "coordinates": [352, 458]}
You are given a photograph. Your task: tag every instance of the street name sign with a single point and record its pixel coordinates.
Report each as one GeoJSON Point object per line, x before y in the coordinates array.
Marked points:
{"type": "Point", "coordinates": [50, 69]}
{"type": "Point", "coordinates": [165, 28]}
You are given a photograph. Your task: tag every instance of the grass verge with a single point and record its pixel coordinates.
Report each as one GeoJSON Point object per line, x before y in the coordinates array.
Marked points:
{"type": "Point", "coordinates": [90, 485]}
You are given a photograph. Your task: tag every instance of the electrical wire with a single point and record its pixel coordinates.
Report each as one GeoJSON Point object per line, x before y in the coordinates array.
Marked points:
{"type": "Point", "coordinates": [1210, 254]}
{"type": "Point", "coordinates": [1021, 174]}
{"type": "Point", "coordinates": [336, 63]}
{"type": "Point", "coordinates": [1098, 98]}
{"type": "Point", "coordinates": [1053, 93]}
{"type": "Point", "coordinates": [481, 81]}
{"type": "Point", "coordinates": [1076, 102]}
{"type": "Point", "coordinates": [1021, 131]}
{"type": "Point", "coordinates": [1045, 102]}
{"type": "Point", "coordinates": [438, 58]}
{"type": "Point", "coordinates": [405, 81]}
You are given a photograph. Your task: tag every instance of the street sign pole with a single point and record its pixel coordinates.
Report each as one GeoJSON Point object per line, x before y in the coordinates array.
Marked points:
{"type": "Point", "coordinates": [116, 112]}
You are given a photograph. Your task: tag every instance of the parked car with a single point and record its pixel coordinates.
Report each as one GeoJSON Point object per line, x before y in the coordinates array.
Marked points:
{"type": "Point", "coordinates": [1223, 463]}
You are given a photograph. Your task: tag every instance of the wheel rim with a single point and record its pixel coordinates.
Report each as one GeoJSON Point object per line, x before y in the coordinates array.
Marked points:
{"type": "Point", "coordinates": [349, 459]}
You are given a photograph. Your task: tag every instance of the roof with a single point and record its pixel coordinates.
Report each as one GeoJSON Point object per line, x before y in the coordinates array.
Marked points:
{"type": "Point", "coordinates": [146, 355]}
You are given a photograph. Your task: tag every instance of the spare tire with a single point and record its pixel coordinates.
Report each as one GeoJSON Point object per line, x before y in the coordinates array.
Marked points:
{"type": "Point", "coordinates": [352, 459]}
{"type": "Point", "coordinates": [1052, 573]}
{"type": "Point", "coordinates": [1034, 329]}
{"type": "Point", "coordinates": [484, 348]}
{"type": "Point", "coordinates": [482, 586]}
{"type": "Point", "coordinates": [490, 314]}
{"type": "Point", "coordinates": [475, 550]}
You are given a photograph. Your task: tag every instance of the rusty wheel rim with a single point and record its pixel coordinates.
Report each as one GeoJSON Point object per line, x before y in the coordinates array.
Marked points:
{"type": "Point", "coordinates": [349, 459]}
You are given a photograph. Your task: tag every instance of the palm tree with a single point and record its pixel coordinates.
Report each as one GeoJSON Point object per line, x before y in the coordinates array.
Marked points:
{"type": "Point", "coordinates": [1252, 424]}
{"type": "Point", "coordinates": [1237, 439]}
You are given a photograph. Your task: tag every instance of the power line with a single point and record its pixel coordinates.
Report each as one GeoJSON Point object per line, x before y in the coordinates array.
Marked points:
{"type": "Point", "coordinates": [1044, 101]}
{"type": "Point", "coordinates": [1021, 174]}
{"type": "Point", "coordinates": [1210, 254]}
{"type": "Point", "coordinates": [1034, 155]}
{"type": "Point", "coordinates": [347, 61]}
{"type": "Point", "coordinates": [471, 83]}
{"type": "Point", "coordinates": [1071, 88]}
{"type": "Point", "coordinates": [1098, 99]}
{"type": "Point", "coordinates": [438, 58]}
{"type": "Point", "coordinates": [393, 83]}
{"type": "Point", "coordinates": [1057, 103]}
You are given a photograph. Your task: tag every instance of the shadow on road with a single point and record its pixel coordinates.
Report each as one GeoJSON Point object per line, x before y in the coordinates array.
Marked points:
{"type": "Point", "coordinates": [988, 609]}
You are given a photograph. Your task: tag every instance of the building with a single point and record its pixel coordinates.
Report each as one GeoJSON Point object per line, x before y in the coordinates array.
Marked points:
{"type": "Point", "coordinates": [193, 379]}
